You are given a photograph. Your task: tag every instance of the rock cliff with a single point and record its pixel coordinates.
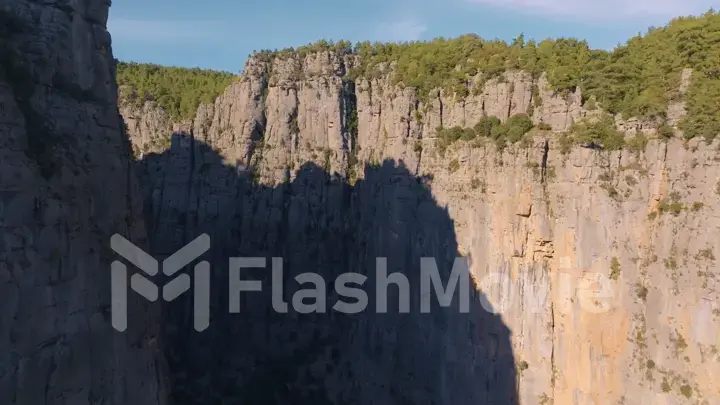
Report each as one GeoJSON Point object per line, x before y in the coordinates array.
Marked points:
{"type": "Point", "coordinates": [318, 223]}
{"type": "Point", "coordinates": [66, 186]}
{"type": "Point", "coordinates": [551, 225]}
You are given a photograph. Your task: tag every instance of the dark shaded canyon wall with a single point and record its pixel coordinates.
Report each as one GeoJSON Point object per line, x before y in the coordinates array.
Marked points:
{"type": "Point", "coordinates": [319, 223]}
{"type": "Point", "coordinates": [66, 186]}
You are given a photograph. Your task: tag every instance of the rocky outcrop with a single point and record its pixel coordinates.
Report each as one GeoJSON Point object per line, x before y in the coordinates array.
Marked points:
{"type": "Point", "coordinates": [303, 110]}
{"type": "Point", "coordinates": [552, 228]}
{"type": "Point", "coordinates": [66, 186]}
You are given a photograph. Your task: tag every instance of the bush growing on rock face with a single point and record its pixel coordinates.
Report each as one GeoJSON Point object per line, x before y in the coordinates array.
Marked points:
{"type": "Point", "coordinates": [521, 122]}
{"type": "Point", "coordinates": [544, 126]}
{"type": "Point", "coordinates": [686, 391]}
{"type": "Point", "coordinates": [485, 126]}
{"type": "Point", "coordinates": [450, 135]}
{"type": "Point", "coordinates": [638, 143]}
{"type": "Point", "coordinates": [514, 134]}
{"type": "Point", "coordinates": [512, 131]}
{"type": "Point", "coordinates": [614, 268]}
{"type": "Point", "coordinates": [666, 131]}
{"type": "Point", "coordinates": [601, 132]}
{"type": "Point", "coordinates": [468, 134]}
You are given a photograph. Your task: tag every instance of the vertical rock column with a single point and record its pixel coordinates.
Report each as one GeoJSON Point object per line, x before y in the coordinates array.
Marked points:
{"type": "Point", "coordinates": [66, 186]}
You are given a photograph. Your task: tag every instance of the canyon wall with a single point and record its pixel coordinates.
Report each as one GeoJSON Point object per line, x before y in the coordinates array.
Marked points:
{"type": "Point", "coordinates": [318, 223]}
{"type": "Point", "coordinates": [66, 186]}
{"type": "Point", "coordinates": [544, 221]}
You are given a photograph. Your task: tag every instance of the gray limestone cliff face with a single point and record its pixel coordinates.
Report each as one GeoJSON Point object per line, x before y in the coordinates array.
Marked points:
{"type": "Point", "coordinates": [319, 224]}
{"type": "Point", "coordinates": [552, 228]}
{"type": "Point", "coordinates": [303, 110]}
{"type": "Point", "coordinates": [66, 186]}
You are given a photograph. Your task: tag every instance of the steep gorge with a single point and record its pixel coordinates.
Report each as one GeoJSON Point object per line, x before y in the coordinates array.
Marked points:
{"type": "Point", "coordinates": [544, 217]}
{"type": "Point", "coordinates": [296, 160]}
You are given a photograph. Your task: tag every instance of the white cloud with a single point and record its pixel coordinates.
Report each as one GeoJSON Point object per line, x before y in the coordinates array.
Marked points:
{"type": "Point", "coordinates": [159, 30]}
{"type": "Point", "coordinates": [400, 30]}
{"type": "Point", "coordinates": [605, 9]}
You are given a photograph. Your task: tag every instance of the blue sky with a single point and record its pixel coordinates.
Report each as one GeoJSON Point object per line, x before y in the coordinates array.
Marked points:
{"type": "Point", "coordinates": [219, 34]}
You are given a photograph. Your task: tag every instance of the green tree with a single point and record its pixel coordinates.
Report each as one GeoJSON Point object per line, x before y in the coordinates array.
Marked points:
{"type": "Point", "coordinates": [179, 91]}
{"type": "Point", "coordinates": [485, 126]}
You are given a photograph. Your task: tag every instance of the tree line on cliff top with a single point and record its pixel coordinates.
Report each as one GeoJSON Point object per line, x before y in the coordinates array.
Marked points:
{"type": "Point", "coordinates": [179, 91]}
{"type": "Point", "coordinates": [637, 79]}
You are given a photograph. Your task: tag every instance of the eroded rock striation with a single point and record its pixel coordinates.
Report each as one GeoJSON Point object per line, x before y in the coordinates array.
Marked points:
{"type": "Point", "coordinates": [545, 220]}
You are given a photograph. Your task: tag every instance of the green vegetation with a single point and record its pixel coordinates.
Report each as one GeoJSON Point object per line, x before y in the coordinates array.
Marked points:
{"type": "Point", "coordinates": [641, 291]}
{"type": "Point", "coordinates": [637, 143]}
{"type": "Point", "coordinates": [341, 47]}
{"type": "Point", "coordinates": [611, 191]}
{"type": "Point", "coordinates": [680, 343]}
{"type": "Point", "coordinates": [665, 386]}
{"type": "Point", "coordinates": [605, 180]}
{"type": "Point", "coordinates": [705, 254]}
{"type": "Point", "coordinates": [686, 391]}
{"type": "Point", "coordinates": [666, 131]}
{"type": "Point", "coordinates": [697, 206]}
{"type": "Point", "coordinates": [671, 205]}
{"type": "Point", "coordinates": [486, 125]}
{"type": "Point", "coordinates": [511, 131]}
{"type": "Point", "coordinates": [600, 132]}
{"type": "Point", "coordinates": [614, 268]}
{"type": "Point", "coordinates": [605, 176]}
{"type": "Point", "coordinates": [640, 339]}
{"type": "Point", "coordinates": [476, 183]}
{"type": "Point", "coordinates": [544, 126]}
{"type": "Point", "coordinates": [177, 90]}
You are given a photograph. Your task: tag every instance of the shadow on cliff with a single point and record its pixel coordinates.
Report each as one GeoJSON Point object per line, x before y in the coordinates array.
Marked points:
{"type": "Point", "coordinates": [318, 223]}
